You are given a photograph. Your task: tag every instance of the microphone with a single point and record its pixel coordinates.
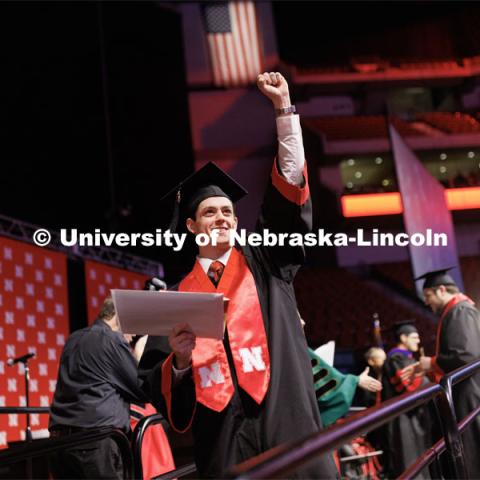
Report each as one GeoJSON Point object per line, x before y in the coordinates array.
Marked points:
{"type": "Point", "coordinates": [22, 359]}
{"type": "Point", "coordinates": [155, 284]}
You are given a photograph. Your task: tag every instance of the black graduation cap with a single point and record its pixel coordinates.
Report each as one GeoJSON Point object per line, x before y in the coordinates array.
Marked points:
{"type": "Point", "coordinates": [437, 278]}
{"type": "Point", "coordinates": [209, 181]}
{"type": "Point", "coordinates": [404, 327]}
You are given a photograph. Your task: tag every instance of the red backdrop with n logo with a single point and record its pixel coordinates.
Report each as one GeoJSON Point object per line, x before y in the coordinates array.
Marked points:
{"type": "Point", "coordinates": [100, 278]}
{"type": "Point", "coordinates": [33, 318]}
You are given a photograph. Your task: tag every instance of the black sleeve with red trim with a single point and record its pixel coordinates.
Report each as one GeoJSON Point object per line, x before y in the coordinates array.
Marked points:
{"type": "Point", "coordinates": [286, 209]}
{"type": "Point", "coordinates": [393, 369]}
{"type": "Point", "coordinates": [176, 404]}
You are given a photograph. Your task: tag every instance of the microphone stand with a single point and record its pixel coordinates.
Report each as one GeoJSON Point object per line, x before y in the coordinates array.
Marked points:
{"type": "Point", "coordinates": [28, 430]}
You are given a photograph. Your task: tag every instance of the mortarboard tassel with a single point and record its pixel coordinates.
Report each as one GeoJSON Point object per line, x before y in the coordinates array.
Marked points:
{"type": "Point", "coordinates": [176, 212]}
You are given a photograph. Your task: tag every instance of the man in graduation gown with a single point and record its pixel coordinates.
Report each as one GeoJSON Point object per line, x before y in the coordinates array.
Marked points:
{"type": "Point", "coordinates": [407, 436]}
{"type": "Point", "coordinates": [457, 343]}
{"type": "Point", "coordinates": [254, 390]}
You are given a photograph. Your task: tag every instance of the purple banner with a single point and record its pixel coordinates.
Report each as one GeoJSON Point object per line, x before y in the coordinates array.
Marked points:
{"type": "Point", "coordinates": [424, 207]}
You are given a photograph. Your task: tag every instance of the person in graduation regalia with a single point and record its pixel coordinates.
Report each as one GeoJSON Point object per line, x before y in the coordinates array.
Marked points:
{"type": "Point", "coordinates": [457, 343]}
{"type": "Point", "coordinates": [407, 436]}
{"type": "Point", "coordinates": [253, 390]}
{"type": "Point", "coordinates": [335, 390]}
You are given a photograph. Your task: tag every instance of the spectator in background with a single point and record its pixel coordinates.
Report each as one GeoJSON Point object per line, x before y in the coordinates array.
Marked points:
{"type": "Point", "coordinates": [472, 178]}
{"type": "Point", "coordinates": [375, 358]}
{"type": "Point", "coordinates": [97, 380]}
{"type": "Point", "coordinates": [460, 180]}
{"type": "Point", "coordinates": [408, 435]}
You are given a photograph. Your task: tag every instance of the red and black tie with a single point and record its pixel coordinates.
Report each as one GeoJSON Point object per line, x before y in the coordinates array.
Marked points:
{"type": "Point", "coordinates": [215, 272]}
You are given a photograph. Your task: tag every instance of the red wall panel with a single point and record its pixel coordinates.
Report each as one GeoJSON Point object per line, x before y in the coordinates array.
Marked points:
{"type": "Point", "coordinates": [33, 318]}
{"type": "Point", "coordinates": [101, 278]}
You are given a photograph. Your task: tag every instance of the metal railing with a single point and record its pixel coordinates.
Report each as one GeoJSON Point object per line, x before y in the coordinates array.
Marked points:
{"type": "Point", "coordinates": [451, 442]}
{"type": "Point", "coordinates": [435, 451]}
{"type": "Point", "coordinates": [8, 410]}
{"type": "Point", "coordinates": [137, 442]}
{"type": "Point", "coordinates": [285, 458]}
{"type": "Point", "coordinates": [27, 451]}
{"type": "Point", "coordinates": [42, 448]}
{"type": "Point", "coordinates": [178, 473]}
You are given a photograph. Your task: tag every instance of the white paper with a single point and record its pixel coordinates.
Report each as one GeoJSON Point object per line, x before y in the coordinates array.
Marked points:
{"type": "Point", "coordinates": [327, 352]}
{"type": "Point", "coordinates": [156, 313]}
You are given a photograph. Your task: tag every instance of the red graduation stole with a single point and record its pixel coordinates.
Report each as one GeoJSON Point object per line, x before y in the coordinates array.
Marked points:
{"type": "Point", "coordinates": [437, 371]}
{"type": "Point", "coordinates": [246, 333]}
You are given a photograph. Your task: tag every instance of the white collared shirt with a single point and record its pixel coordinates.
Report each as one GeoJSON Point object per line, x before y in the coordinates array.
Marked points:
{"type": "Point", "coordinates": [206, 262]}
{"type": "Point", "coordinates": [291, 155]}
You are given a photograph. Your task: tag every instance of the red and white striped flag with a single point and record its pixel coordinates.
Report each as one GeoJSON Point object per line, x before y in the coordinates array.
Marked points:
{"type": "Point", "coordinates": [233, 40]}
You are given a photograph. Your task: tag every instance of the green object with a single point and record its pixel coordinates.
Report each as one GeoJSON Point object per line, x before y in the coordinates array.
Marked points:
{"type": "Point", "coordinates": [333, 389]}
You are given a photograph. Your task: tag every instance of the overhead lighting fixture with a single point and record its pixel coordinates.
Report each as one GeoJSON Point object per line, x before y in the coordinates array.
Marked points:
{"type": "Point", "coordinates": [471, 154]}
{"type": "Point", "coordinates": [358, 174]}
{"type": "Point", "coordinates": [465, 198]}
{"type": "Point", "coordinates": [443, 169]}
{"type": "Point", "coordinates": [385, 182]}
{"type": "Point", "coordinates": [350, 162]}
{"type": "Point", "coordinates": [379, 160]}
{"type": "Point", "coordinates": [372, 204]}
{"type": "Point", "coordinates": [443, 156]}
{"type": "Point", "coordinates": [349, 185]}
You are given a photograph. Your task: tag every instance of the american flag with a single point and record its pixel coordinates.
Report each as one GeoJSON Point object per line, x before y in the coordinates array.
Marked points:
{"type": "Point", "coordinates": [233, 41]}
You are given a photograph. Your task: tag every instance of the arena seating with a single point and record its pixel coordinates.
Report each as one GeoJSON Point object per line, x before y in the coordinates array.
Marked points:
{"type": "Point", "coordinates": [451, 122]}
{"type": "Point", "coordinates": [375, 126]}
{"type": "Point", "coordinates": [339, 305]}
{"type": "Point", "coordinates": [401, 274]}
{"type": "Point", "coordinates": [386, 65]}
{"type": "Point", "coordinates": [360, 127]}
{"type": "Point", "coordinates": [471, 277]}
{"type": "Point", "coordinates": [323, 70]}
{"type": "Point", "coordinates": [447, 64]}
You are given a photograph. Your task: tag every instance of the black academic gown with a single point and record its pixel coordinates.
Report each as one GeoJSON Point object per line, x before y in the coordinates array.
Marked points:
{"type": "Point", "coordinates": [459, 344]}
{"type": "Point", "coordinates": [289, 411]}
{"type": "Point", "coordinates": [407, 436]}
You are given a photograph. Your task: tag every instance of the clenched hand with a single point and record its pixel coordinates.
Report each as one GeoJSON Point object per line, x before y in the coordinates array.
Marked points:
{"type": "Point", "coordinates": [182, 342]}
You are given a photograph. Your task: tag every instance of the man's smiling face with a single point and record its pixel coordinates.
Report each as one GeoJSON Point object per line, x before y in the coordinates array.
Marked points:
{"type": "Point", "coordinates": [214, 215]}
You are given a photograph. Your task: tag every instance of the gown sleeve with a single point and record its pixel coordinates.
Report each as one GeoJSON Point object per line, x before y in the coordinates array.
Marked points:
{"type": "Point", "coordinates": [333, 389]}
{"type": "Point", "coordinates": [460, 339]}
{"type": "Point", "coordinates": [393, 371]}
{"type": "Point", "coordinates": [175, 400]}
{"type": "Point", "coordinates": [286, 209]}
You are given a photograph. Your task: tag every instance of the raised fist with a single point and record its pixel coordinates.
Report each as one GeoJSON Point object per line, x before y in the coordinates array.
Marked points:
{"type": "Point", "coordinates": [274, 86]}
